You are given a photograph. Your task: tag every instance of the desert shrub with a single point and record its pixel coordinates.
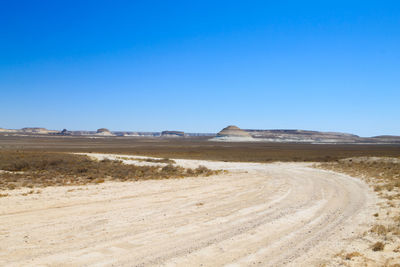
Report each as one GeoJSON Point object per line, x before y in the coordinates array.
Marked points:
{"type": "Point", "coordinates": [202, 170]}
{"type": "Point", "coordinates": [190, 172]}
{"type": "Point", "coordinates": [164, 160]}
{"type": "Point", "coordinates": [378, 246]}
{"type": "Point", "coordinates": [349, 256]}
{"type": "Point", "coordinates": [379, 229]}
{"type": "Point", "coordinates": [385, 171]}
{"type": "Point", "coordinates": [169, 168]}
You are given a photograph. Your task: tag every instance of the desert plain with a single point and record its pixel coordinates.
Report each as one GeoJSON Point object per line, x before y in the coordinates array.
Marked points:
{"type": "Point", "coordinates": [265, 205]}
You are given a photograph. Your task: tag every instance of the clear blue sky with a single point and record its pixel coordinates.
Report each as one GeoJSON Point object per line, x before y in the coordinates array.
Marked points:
{"type": "Point", "coordinates": [199, 66]}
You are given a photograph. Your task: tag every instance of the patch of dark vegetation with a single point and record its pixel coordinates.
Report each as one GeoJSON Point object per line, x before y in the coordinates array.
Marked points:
{"type": "Point", "coordinates": [378, 246]}
{"type": "Point", "coordinates": [351, 255]}
{"type": "Point", "coordinates": [164, 160]}
{"type": "Point", "coordinates": [41, 169]}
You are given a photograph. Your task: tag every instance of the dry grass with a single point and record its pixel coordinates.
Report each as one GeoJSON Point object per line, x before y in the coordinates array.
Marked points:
{"type": "Point", "coordinates": [379, 230]}
{"type": "Point", "coordinates": [33, 169]}
{"type": "Point", "coordinates": [384, 175]}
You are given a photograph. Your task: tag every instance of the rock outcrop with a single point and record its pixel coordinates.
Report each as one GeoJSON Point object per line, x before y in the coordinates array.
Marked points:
{"type": "Point", "coordinates": [172, 134]}
{"type": "Point", "coordinates": [234, 134]}
{"type": "Point", "coordinates": [64, 132]}
{"type": "Point", "coordinates": [304, 136]}
{"type": "Point", "coordinates": [386, 139]}
{"type": "Point", "coordinates": [2, 130]}
{"type": "Point", "coordinates": [104, 131]}
{"type": "Point", "coordinates": [233, 131]}
{"type": "Point", "coordinates": [35, 130]}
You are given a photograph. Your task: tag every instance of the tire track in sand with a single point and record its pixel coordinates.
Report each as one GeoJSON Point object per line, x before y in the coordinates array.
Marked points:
{"type": "Point", "coordinates": [258, 214]}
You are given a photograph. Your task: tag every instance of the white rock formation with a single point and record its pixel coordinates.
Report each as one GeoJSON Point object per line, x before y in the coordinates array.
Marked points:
{"type": "Point", "coordinates": [233, 134]}
{"type": "Point", "coordinates": [104, 132]}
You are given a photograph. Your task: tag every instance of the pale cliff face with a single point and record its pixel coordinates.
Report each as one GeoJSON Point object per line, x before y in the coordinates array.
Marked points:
{"type": "Point", "coordinates": [233, 131]}
{"type": "Point", "coordinates": [104, 131]}
{"type": "Point", "coordinates": [2, 130]}
{"type": "Point", "coordinates": [35, 130]}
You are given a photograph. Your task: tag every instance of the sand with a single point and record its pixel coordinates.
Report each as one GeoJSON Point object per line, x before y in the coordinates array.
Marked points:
{"type": "Point", "coordinates": [278, 214]}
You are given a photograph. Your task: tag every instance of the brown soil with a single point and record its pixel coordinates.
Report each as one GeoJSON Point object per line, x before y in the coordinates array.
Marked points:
{"type": "Point", "coordinates": [199, 148]}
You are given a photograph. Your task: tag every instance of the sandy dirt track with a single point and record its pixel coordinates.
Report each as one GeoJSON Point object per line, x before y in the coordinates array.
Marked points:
{"type": "Point", "coordinates": [257, 214]}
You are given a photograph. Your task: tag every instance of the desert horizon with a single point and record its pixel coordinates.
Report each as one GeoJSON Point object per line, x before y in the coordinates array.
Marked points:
{"type": "Point", "coordinates": [200, 133]}
{"type": "Point", "coordinates": [228, 134]}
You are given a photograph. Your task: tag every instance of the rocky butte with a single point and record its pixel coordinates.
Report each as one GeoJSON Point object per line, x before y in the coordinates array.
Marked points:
{"type": "Point", "coordinates": [104, 131]}
{"type": "Point", "coordinates": [233, 133]}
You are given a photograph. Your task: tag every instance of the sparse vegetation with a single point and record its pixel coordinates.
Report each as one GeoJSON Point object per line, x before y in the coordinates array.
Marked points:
{"type": "Point", "coordinates": [385, 171]}
{"type": "Point", "coordinates": [351, 255]}
{"type": "Point", "coordinates": [30, 169]}
{"type": "Point", "coordinates": [28, 193]}
{"type": "Point", "coordinates": [383, 174]}
{"type": "Point", "coordinates": [199, 148]}
{"type": "Point", "coordinates": [378, 246]}
{"type": "Point", "coordinates": [164, 160]}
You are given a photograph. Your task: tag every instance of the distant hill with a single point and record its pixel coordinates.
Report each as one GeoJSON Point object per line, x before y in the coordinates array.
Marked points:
{"type": "Point", "coordinates": [2, 130]}
{"type": "Point", "coordinates": [230, 133]}
{"type": "Point", "coordinates": [233, 133]}
{"type": "Point", "coordinates": [387, 138]}
{"type": "Point", "coordinates": [303, 136]}
{"type": "Point", "coordinates": [37, 130]}
{"type": "Point", "coordinates": [172, 134]}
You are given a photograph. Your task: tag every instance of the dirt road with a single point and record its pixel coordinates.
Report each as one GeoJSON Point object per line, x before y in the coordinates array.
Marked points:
{"type": "Point", "coordinates": [257, 214]}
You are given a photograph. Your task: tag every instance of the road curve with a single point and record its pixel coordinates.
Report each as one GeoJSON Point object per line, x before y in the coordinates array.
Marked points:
{"type": "Point", "coordinates": [256, 214]}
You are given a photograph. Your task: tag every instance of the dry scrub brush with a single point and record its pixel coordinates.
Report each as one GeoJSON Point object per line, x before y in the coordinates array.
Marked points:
{"type": "Point", "coordinates": [384, 175]}
{"type": "Point", "coordinates": [385, 172]}
{"type": "Point", "coordinates": [164, 160]}
{"type": "Point", "coordinates": [31, 169]}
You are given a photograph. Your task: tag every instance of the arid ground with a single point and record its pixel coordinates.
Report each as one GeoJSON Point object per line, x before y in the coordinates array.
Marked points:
{"type": "Point", "coordinates": [198, 148]}
{"type": "Point", "coordinates": [265, 214]}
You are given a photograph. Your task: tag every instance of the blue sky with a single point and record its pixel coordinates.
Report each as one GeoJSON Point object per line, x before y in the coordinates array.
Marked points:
{"type": "Point", "coordinates": [199, 66]}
